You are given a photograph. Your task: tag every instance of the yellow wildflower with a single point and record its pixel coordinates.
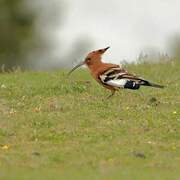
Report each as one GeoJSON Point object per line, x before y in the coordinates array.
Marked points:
{"type": "Point", "coordinates": [5, 147]}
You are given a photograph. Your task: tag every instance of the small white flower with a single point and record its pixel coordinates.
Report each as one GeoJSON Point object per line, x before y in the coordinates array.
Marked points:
{"type": "Point", "coordinates": [3, 86]}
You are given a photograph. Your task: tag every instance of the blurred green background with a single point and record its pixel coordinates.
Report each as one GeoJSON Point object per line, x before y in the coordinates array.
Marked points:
{"type": "Point", "coordinates": [54, 127]}
{"type": "Point", "coordinates": [31, 37]}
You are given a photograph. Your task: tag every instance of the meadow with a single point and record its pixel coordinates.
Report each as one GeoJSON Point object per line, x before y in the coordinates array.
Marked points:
{"type": "Point", "coordinates": [58, 127]}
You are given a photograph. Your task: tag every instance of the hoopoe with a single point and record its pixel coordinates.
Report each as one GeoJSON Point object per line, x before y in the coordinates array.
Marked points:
{"type": "Point", "coordinates": [112, 76]}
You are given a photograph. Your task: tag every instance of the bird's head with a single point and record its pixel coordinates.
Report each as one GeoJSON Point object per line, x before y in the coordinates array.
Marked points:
{"type": "Point", "coordinates": [92, 58]}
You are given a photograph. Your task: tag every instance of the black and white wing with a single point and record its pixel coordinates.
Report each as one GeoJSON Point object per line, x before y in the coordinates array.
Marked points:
{"type": "Point", "coordinates": [120, 78]}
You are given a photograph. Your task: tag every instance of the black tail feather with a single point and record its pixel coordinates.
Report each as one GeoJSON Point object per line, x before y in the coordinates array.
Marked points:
{"type": "Point", "coordinates": [131, 85]}
{"type": "Point", "coordinates": [147, 83]}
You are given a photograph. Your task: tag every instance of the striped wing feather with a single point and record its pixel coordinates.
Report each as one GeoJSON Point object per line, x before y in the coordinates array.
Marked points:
{"type": "Point", "coordinates": [119, 77]}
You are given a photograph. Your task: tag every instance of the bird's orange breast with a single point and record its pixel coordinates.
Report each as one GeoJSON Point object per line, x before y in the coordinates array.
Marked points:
{"type": "Point", "coordinates": [96, 71]}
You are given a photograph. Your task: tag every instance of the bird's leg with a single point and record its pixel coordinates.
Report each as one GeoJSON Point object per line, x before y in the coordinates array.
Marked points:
{"type": "Point", "coordinates": [112, 93]}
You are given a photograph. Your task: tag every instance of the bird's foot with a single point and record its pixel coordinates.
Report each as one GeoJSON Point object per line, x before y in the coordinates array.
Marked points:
{"type": "Point", "coordinates": [113, 92]}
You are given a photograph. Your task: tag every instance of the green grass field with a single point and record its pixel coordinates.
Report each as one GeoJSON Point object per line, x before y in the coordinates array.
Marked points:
{"type": "Point", "coordinates": [55, 127]}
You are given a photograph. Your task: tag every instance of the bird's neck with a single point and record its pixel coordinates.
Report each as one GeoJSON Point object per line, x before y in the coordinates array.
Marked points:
{"type": "Point", "coordinates": [93, 67]}
{"type": "Point", "coordinates": [100, 67]}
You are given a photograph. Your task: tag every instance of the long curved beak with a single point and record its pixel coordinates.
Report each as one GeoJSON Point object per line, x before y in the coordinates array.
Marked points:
{"type": "Point", "coordinates": [74, 68]}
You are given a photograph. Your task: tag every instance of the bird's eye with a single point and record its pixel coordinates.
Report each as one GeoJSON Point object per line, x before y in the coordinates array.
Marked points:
{"type": "Point", "coordinates": [88, 59]}
{"type": "Point", "coordinates": [100, 50]}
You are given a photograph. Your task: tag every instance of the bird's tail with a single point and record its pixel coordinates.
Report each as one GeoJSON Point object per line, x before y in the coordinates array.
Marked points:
{"type": "Point", "coordinates": [147, 83]}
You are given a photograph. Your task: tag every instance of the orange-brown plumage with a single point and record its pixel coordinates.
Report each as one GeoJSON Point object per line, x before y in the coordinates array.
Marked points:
{"type": "Point", "coordinates": [111, 76]}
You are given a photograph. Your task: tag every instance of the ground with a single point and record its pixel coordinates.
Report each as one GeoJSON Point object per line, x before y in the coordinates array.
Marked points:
{"type": "Point", "coordinates": [58, 127]}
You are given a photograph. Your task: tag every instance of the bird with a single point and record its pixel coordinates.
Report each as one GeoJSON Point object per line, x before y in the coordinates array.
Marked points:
{"type": "Point", "coordinates": [112, 76]}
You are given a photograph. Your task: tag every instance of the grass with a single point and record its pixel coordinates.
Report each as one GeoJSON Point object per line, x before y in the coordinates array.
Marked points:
{"type": "Point", "coordinates": [54, 127]}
